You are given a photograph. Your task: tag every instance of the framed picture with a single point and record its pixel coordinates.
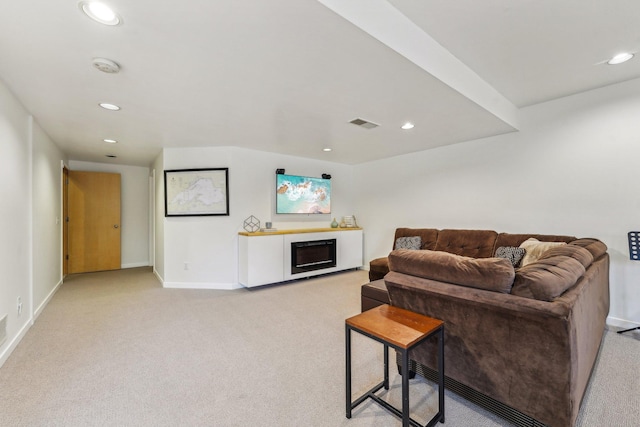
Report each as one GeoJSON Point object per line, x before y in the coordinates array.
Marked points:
{"type": "Point", "coordinates": [196, 192]}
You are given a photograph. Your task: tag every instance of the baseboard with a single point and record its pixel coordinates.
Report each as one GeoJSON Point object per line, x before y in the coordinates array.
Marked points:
{"type": "Point", "coordinates": [14, 342]}
{"type": "Point", "coordinates": [158, 276]}
{"type": "Point", "coordinates": [41, 307]}
{"type": "Point", "coordinates": [135, 265]}
{"type": "Point", "coordinates": [37, 312]}
{"type": "Point", "coordinates": [201, 285]}
{"type": "Point", "coordinates": [621, 323]}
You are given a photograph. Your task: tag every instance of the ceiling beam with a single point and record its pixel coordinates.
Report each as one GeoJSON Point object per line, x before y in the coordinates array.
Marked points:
{"type": "Point", "coordinates": [382, 21]}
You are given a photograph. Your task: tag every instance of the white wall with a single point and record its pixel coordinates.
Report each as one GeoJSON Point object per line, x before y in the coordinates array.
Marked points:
{"type": "Point", "coordinates": [15, 214]}
{"type": "Point", "coordinates": [209, 244]}
{"type": "Point", "coordinates": [30, 247]}
{"type": "Point", "coordinates": [572, 169]}
{"type": "Point", "coordinates": [135, 209]}
{"type": "Point", "coordinates": [47, 218]}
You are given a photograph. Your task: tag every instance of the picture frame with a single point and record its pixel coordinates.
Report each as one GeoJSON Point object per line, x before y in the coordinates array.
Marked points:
{"type": "Point", "coordinates": [196, 192]}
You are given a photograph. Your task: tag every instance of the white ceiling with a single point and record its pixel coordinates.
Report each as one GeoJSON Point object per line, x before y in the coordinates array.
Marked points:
{"type": "Point", "coordinates": [287, 76]}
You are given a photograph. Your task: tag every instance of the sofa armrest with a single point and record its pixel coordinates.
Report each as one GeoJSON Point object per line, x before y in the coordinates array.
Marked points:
{"type": "Point", "coordinates": [378, 268]}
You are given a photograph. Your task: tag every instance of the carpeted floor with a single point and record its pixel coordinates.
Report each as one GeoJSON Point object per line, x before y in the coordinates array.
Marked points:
{"type": "Point", "coordinates": [116, 349]}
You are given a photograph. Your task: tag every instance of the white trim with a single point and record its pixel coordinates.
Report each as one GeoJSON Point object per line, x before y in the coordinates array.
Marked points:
{"type": "Point", "coordinates": [621, 323]}
{"type": "Point", "coordinates": [63, 219]}
{"type": "Point", "coordinates": [30, 218]}
{"type": "Point", "coordinates": [38, 311]}
{"type": "Point", "coordinates": [14, 342]}
{"type": "Point", "coordinates": [158, 276]}
{"type": "Point", "coordinates": [135, 264]}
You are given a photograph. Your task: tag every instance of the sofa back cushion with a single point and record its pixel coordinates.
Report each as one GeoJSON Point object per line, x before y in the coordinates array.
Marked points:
{"type": "Point", "coordinates": [468, 243]}
{"type": "Point", "coordinates": [493, 274]}
{"type": "Point", "coordinates": [594, 246]}
{"type": "Point", "coordinates": [508, 239]}
{"type": "Point", "coordinates": [572, 251]}
{"type": "Point", "coordinates": [427, 236]}
{"type": "Point", "coordinates": [547, 278]}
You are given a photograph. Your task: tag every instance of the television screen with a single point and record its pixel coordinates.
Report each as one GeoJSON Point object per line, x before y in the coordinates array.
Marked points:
{"type": "Point", "coordinates": [302, 195]}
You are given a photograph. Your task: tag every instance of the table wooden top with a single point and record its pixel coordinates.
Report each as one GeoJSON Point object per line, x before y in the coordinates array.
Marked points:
{"type": "Point", "coordinates": [296, 231]}
{"type": "Point", "coordinates": [397, 326]}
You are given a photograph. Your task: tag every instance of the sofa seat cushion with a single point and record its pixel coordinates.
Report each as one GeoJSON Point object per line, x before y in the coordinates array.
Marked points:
{"type": "Point", "coordinates": [493, 274]}
{"type": "Point", "coordinates": [547, 278]}
{"type": "Point", "coordinates": [373, 294]}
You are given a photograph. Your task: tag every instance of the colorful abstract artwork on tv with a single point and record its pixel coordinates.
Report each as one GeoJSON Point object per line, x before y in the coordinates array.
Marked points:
{"type": "Point", "coordinates": [302, 195]}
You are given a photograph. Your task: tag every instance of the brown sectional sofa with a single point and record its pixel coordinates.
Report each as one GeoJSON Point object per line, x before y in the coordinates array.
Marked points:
{"type": "Point", "coordinates": [526, 337]}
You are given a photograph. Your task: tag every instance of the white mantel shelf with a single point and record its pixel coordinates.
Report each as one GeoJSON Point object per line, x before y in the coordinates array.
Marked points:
{"type": "Point", "coordinates": [297, 231]}
{"type": "Point", "coordinates": [268, 259]}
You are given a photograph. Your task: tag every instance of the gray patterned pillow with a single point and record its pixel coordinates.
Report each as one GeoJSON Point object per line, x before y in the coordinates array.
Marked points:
{"type": "Point", "coordinates": [512, 253]}
{"type": "Point", "coordinates": [414, 242]}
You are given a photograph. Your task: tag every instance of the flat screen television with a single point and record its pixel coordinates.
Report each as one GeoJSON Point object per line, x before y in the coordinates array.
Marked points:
{"type": "Point", "coordinates": [302, 195]}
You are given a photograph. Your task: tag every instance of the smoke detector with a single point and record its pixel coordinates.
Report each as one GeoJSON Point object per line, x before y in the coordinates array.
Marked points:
{"type": "Point", "coordinates": [106, 65]}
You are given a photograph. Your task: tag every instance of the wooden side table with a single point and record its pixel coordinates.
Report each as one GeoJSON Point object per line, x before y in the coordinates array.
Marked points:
{"type": "Point", "coordinates": [402, 330]}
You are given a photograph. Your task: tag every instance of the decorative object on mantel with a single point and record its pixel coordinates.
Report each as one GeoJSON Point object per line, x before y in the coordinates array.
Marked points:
{"type": "Point", "coordinates": [334, 223]}
{"type": "Point", "coordinates": [348, 222]}
{"type": "Point", "coordinates": [251, 224]}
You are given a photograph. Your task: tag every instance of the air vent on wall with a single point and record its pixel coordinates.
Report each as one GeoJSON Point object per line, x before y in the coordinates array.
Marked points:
{"type": "Point", "coordinates": [364, 123]}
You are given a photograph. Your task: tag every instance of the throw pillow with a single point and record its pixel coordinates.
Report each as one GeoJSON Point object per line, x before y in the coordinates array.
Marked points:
{"type": "Point", "coordinates": [535, 248]}
{"type": "Point", "coordinates": [511, 253]}
{"type": "Point", "coordinates": [412, 243]}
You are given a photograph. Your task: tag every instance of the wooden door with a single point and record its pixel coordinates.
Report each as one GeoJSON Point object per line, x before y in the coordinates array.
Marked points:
{"type": "Point", "coordinates": [93, 221]}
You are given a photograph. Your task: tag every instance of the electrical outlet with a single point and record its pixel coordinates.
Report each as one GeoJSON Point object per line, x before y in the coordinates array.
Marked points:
{"type": "Point", "coordinates": [19, 306]}
{"type": "Point", "coordinates": [186, 265]}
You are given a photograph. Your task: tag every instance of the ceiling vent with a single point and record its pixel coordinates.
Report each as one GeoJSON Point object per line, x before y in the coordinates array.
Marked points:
{"type": "Point", "coordinates": [106, 65]}
{"type": "Point", "coordinates": [363, 123]}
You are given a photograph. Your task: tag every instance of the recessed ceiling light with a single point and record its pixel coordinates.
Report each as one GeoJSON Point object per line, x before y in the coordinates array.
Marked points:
{"type": "Point", "coordinates": [620, 58]}
{"type": "Point", "coordinates": [326, 149]}
{"type": "Point", "coordinates": [100, 12]}
{"type": "Point", "coordinates": [407, 126]}
{"type": "Point", "coordinates": [110, 141]}
{"type": "Point", "coordinates": [108, 106]}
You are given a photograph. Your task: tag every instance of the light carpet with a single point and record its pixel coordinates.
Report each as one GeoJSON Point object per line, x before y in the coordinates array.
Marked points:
{"type": "Point", "coordinates": [116, 349]}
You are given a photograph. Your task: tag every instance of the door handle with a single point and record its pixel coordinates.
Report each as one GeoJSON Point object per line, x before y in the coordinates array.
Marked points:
{"type": "Point", "coordinates": [116, 226]}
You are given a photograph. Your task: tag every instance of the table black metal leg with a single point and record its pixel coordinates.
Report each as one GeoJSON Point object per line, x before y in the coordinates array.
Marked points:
{"type": "Point", "coordinates": [386, 367]}
{"type": "Point", "coordinates": [441, 373]}
{"type": "Point", "coordinates": [405, 388]}
{"type": "Point", "coordinates": [347, 335]}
